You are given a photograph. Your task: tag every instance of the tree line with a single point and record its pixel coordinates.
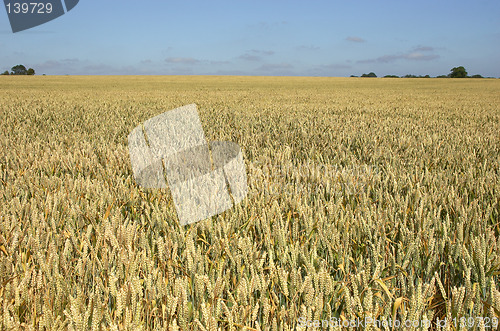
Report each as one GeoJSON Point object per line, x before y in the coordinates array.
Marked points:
{"type": "Point", "coordinates": [19, 70]}
{"type": "Point", "coordinates": [457, 72]}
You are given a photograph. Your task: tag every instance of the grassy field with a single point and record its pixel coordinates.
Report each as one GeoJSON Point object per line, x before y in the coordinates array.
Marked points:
{"type": "Point", "coordinates": [368, 198]}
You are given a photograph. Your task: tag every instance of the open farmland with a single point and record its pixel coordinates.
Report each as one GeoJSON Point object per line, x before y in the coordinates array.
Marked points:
{"type": "Point", "coordinates": [371, 198]}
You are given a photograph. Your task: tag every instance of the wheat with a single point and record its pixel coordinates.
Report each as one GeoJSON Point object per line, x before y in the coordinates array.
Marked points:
{"type": "Point", "coordinates": [374, 198]}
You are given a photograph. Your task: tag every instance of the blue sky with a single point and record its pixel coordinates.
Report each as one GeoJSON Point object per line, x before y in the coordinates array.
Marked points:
{"type": "Point", "coordinates": [253, 37]}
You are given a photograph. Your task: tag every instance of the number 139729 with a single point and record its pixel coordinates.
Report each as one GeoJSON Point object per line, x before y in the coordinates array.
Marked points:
{"type": "Point", "coordinates": [29, 7]}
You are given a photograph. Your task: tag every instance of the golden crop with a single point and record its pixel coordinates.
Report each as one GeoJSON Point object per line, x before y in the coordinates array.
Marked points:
{"type": "Point", "coordinates": [367, 198]}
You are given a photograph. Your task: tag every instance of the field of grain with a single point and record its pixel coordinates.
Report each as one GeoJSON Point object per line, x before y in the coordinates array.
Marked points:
{"type": "Point", "coordinates": [368, 198]}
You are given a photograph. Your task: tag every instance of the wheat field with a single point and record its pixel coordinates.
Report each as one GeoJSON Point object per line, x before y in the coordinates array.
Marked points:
{"type": "Point", "coordinates": [368, 198]}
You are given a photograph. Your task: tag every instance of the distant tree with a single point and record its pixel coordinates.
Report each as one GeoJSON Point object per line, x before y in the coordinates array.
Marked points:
{"type": "Point", "coordinates": [5, 73]}
{"type": "Point", "coordinates": [354, 76]}
{"type": "Point", "coordinates": [477, 76]}
{"type": "Point", "coordinates": [30, 72]}
{"type": "Point", "coordinates": [19, 70]}
{"type": "Point", "coordinates": [442, 76]}
{"type": "Point", "coordinates": [371, 74]}
{"type": "Point", "coordinates": [458, 72]}
{"type": "Point", "coordinates": [391, 76]}
{"type": "Point", "coordinates": [415, 76]}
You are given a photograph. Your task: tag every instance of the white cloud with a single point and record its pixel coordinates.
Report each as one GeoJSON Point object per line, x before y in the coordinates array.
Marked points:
{"type": "Point", "coordinates": [334, 66]}
{"type": "Point", "coordinates": [249, 57]}
{"type": "Point", "coordinates": [275, 66]}
{"type": "Point", "coordinates": [262, 52]}
{"type": "Point", "coordinates": [182, 60]}
{"type": "Point", "coordinates": [307, 48]}
{"type": "Point", "coordinates": [412, 56]}
{"type": "Point", "coordinates": [333, 69]}
{"type": "Point", "coordinates": [57, 67]}
{"type": "Point", "coordinates": [216, 62]}
{"type": "Point", "coordinates": [255, 55]}
{"type": "Point", "coordinates": [275, 69]}
{"type": "Point", "coordinates": [423, 49]}
{"type": "Point", "coordinates": [420, 57]}
{"type": "Point", "coordinates": [355, 39]}
{"type": "Point", "coordinates": [70, 61]}
{"type": "Point", "coordinates": [231, 72]}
